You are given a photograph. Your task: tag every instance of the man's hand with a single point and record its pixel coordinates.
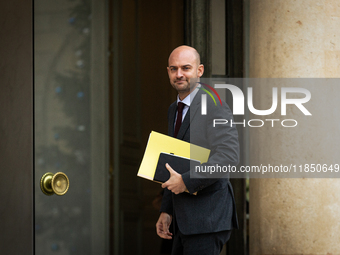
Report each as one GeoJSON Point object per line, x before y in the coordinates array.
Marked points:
{"type": "Point", "coordinates": [175, 183]}
{"type": "Point", "coordinates": [162, 226]}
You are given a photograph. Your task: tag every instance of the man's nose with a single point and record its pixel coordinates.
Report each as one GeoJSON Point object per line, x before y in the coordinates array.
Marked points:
{"type": "Point", "coordinates": [179, 73]}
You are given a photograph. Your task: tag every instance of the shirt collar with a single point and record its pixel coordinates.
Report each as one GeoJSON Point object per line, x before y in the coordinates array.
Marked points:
{"type": "Point", "coordinates": [187, 101]}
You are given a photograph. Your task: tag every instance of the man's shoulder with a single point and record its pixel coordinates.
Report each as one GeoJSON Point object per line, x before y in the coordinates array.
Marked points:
{"type": "Point", "coordinates": [213, 103]}
{"type": "Point", "coordinates": [172, 106]}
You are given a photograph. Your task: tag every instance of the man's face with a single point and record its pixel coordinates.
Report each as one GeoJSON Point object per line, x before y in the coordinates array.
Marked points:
{"type": "Point", "coordinates": [183, 65]}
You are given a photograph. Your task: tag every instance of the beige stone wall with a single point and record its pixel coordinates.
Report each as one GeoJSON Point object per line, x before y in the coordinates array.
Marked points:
{"type": "Point", "coordinates": [294, 39]}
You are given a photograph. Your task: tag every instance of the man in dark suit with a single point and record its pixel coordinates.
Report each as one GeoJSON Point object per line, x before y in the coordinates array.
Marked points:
{"type": "Point", "coordinates": [202, 222]}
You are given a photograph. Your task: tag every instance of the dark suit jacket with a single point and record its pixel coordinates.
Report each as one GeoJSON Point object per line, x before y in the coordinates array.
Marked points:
{"type": "Point", "coordinates": [213, 208]}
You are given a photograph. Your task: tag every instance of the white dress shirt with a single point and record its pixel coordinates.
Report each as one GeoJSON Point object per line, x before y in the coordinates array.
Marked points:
{"type": "Point", "coordinates": [187, 101]}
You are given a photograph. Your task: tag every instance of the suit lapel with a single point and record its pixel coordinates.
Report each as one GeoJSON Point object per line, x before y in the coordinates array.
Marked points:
{"type": "Point", "coordinates": [184, 126]}
{"type": "Point", "coordinates": [189, 116]}
{"type": "Point", "coordinates": [195, 105]}
{"type": "Point", "coordinates": [172, 115]}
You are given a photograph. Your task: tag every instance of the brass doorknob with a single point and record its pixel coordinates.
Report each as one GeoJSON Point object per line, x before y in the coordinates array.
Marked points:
{"type": "Point", "coordinates": [54, 184]}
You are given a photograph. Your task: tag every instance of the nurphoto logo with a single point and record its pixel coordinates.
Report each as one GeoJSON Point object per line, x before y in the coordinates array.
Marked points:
{"type": "Point", "coordinates": [239, 103]}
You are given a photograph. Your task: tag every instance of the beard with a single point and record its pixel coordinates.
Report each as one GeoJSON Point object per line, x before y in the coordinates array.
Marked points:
{"type": "Point", "coordinates": [184, 85]}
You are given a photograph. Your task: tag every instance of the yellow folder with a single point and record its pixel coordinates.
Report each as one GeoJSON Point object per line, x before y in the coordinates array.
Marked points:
{"type": "Point", "coordinates": [162, 143]}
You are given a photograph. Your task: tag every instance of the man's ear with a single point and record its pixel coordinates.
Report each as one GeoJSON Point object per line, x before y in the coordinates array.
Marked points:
{"type": "Point", "coordinates": [200, 70]}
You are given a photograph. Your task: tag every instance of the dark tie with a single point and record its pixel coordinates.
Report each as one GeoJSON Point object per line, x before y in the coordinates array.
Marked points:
{"type": "Point", "coordinates": [180, 107]}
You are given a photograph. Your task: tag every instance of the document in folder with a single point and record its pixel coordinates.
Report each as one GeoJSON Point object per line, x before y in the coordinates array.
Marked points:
{"type": "Point", "coordinates": [159, 143]}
